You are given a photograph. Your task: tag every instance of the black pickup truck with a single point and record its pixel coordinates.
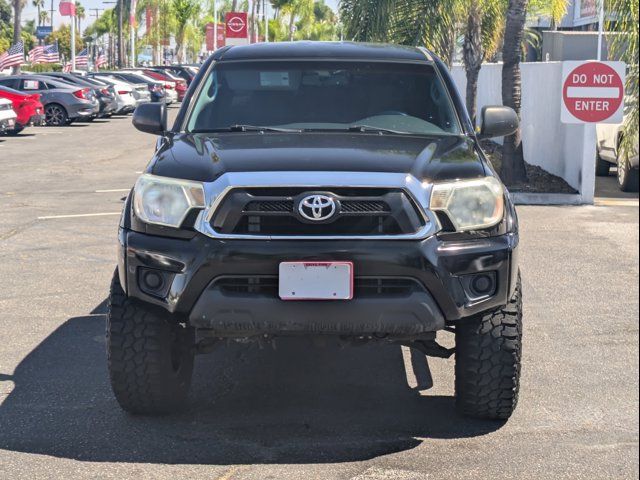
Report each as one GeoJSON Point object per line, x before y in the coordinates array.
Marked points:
{"type": "Point", "coordinates": [318, 189]}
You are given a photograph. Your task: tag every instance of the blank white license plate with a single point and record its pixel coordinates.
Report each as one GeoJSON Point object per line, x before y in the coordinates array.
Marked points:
{"type": "Point", "coordinates": [316, 281]}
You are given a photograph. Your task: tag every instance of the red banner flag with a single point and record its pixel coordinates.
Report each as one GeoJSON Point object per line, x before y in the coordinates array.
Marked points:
{"type": "Point", "coordinates": [67, 9]}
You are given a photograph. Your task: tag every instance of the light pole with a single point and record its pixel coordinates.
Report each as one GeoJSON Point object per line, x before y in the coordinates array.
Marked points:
{"type": "Point", "coordinates": [132, 31]}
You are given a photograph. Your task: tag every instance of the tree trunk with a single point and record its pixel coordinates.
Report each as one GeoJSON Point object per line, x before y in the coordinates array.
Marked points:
{"type": "Point", "coordinates": [252, 36]}
{"type": "Point", "coordinates": [292, 25]}
{"type": "Point", "coordinates": [179, 45]}
{"type": "Point", "coordinates": [17, 27]}
{"type": "Point", "coordinates": [234, 6]}
{"type": "Point", "coordinates": [513, 167]}
{"type": "Point", "coordinates": [472, 56]}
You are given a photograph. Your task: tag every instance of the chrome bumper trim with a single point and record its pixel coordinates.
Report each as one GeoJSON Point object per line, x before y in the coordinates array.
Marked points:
{"type": "Point", "coordinates": [216, 191]}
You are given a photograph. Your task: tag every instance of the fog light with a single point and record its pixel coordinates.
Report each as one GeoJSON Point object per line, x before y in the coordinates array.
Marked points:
{"type": "Point", "coordinates": [479, 285]}
{"type": "Point", "coordinates": [154, 282]}
{"type": "Point", "coordinates": [482, 284]}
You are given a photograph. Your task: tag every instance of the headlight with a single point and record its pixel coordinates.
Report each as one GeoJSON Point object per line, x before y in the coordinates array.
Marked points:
{"type": "Point", "coordinates": [166, 201]}
{"type": "Point", "coordinates": [470, 204]}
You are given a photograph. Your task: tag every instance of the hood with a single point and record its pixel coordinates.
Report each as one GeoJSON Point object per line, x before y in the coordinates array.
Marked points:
{"type": "Point", "coordinates": [204, 157]}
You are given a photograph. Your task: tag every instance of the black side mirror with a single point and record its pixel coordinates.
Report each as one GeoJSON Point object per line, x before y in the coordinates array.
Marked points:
{"type": "Point", "coordinates": [151, 118]}
{"type": "Point", "coordinates": [497, 121]}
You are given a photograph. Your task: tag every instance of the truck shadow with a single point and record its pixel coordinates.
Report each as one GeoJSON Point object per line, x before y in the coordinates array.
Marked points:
{"type": "Point", "coordinates": [295, 404]}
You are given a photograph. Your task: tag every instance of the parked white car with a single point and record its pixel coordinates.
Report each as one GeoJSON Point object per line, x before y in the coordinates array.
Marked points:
{"type": "Point", "coordinates": [125, 99]}
{"type": "Point", "coordinates": [171, 96]}
{"type": "Point", "coordinates": [609, 152]}
{"type": "Point", "coordinates": [7, 115]}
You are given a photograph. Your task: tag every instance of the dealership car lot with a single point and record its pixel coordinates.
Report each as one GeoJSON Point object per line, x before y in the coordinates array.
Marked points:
{"type": "Point", "coordinates": [300, 410]}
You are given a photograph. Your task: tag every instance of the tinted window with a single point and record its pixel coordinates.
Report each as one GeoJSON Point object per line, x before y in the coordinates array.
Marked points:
{"type": "Point", "coordinates": [9, 82]}
{"type": "Point", "coordinates": [407, 98]}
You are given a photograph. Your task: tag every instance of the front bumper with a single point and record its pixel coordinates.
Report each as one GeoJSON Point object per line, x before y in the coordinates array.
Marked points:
{"type": "Point", "coordinates": [193, 266]}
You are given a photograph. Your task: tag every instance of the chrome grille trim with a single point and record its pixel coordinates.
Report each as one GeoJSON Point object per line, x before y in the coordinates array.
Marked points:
{"type": "Point", "coordinates": [216, 191]}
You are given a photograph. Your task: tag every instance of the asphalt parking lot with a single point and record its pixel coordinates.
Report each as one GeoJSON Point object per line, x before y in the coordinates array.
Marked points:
{"type": "Point", "coordinates": [299, 411]}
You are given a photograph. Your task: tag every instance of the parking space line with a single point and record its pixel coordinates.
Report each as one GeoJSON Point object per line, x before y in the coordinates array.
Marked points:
{"type": "Point", "coordinates": [616, 202]}
{"type": "Point", "coordinates": [79, 215]}
{"type": "Point", "coordinates": [113, 190]}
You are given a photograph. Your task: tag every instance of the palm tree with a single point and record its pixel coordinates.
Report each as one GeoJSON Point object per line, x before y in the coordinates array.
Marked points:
{"type": "Point", "coordinates": [625, 47]}
{"type": "Point", "coordinates": [513, 168]}
{"type": "Point", "coordinates": [43, 17]}
{"type": "Point", "coordinates": [80, 15]}
{"type": "Point", "coordinates": [436, 24]}
{"type": "Point", "coordinates": [301, 10]}
{"type": "Point", "coordinates": [39, 4]}
{"type": "Point", "coordinates": [17, 25]}
{"type": "Point", "coordinates": [184, 11]}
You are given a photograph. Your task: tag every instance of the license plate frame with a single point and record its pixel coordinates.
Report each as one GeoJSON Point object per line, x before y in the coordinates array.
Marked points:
{"type": "Point", "coordinates": [315, 281]}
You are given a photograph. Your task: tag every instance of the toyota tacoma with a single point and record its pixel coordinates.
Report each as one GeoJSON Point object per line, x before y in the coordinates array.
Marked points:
{"type": "Point", "coordinates": [318, 189]}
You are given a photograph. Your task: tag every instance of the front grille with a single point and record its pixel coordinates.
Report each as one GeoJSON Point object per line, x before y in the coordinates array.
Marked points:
{"type": "Point", "coordinates": [274, 206]}
{"type": "Point", "coordinates": [363, 286]}
{"type": "Point", "coordinates": [276, 212]}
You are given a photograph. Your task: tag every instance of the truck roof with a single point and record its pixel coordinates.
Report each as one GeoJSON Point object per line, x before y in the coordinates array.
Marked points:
{"type": "Point", "coordinates": [324, 50]}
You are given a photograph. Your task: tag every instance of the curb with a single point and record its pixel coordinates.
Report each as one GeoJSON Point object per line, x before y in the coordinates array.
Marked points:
{"type": "Point", "coordinates": [549, 199]}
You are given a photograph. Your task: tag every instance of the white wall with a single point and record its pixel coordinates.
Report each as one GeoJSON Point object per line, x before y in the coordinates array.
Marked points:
{"type": "Point", "coordinates": [567, 151]}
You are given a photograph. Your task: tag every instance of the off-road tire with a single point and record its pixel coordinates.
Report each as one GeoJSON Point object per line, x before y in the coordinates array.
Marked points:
{"type": "Point", "coordinates": [602, 167]}
{"type": "Point", "coordinates": [150, 357]}
{"type": "Point", "coordinates": [488, 353]}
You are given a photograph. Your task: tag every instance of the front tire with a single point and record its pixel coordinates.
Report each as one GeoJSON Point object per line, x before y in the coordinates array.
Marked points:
{"type": "Point", "coordinates": [488, 355]}
{"type": "Point", "coordinates": [150, 357]}
{"type": "Point", "coordinates": [602, 166]}
{"type": "Point", "coordinates": [628, 178]}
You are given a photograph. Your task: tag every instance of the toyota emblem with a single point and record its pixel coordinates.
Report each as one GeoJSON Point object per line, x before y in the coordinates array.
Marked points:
{"type": "Point", "coordinates": [317, 208]}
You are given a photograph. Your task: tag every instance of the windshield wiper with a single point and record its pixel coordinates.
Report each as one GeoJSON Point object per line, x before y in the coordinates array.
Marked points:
{"type": "Point", "coordinates": [246, 128]}
{"type": "Point", "coordinates": [370, 129]}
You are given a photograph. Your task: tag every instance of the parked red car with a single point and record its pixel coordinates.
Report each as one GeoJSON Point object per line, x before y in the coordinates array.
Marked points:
{"type": "Point", "coordinates": [170, 81]}
{"type": "Point", "coordinates": [27, 106]}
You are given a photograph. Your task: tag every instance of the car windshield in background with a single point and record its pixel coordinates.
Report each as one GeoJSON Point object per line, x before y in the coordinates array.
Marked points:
{"type": "Point", "coordinates": [391, 98]}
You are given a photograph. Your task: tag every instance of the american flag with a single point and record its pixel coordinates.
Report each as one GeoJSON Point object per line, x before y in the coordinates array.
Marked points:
{"type": "Point", "coordinates": [101, 59]}
{"type": "Point", "coordinates": [12, 57]}
{"type": "Point", "coordinates": [82, 58]}
{"type": "Point", "coordinates": [66, 68]}
{"type": "Point", "coordinates": [51, 54]}
{"type": "Point", "coordinates": [36, 53]}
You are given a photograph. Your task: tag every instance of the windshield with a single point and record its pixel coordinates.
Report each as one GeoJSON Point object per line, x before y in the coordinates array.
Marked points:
{"type": "Point", "coordinates": [324, 95]}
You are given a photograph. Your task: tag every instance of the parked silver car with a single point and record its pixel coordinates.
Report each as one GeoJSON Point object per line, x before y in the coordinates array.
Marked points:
{"type": "Point", "coordinates": [610, 152]}
{"type": "Point", "coordinates": [63, 103]}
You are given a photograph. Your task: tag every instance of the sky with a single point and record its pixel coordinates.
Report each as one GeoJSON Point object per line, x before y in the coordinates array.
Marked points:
{"type": "Point", "coordinates": [31, 13]}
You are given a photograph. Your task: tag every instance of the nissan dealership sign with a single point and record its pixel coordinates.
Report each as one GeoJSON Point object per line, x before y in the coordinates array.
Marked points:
{"type": "Point", "coordinates": [237, 28]}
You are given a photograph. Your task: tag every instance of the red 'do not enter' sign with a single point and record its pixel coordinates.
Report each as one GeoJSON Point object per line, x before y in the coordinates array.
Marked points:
{"type": "Point", "coordinates": [592, 92]}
